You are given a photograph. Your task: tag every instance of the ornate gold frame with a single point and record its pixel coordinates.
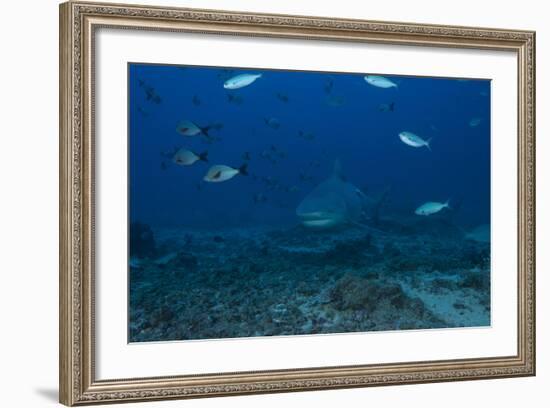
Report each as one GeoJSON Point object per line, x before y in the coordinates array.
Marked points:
{"type": "Point", "coordinates": [78, 22]}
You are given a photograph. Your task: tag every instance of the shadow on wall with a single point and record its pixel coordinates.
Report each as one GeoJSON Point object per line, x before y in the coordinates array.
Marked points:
{"type": "Point", "coordinates": [49, 394]}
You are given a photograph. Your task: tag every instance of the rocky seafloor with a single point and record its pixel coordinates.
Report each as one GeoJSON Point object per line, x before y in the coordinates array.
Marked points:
{"type": "Point", "coordinates": [242, 282]}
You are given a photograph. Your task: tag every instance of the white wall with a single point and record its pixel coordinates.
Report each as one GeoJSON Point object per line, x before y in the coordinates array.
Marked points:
{"type": "Point", "coordinates": [28, 202]}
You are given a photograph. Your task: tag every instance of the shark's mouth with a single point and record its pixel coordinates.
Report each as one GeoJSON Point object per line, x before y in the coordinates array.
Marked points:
{"type": "Point", "coordinates": [320, 219]}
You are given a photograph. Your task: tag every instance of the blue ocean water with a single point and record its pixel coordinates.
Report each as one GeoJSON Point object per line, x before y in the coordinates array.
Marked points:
{"type": "Point", "coordinates": [358, 132]}
{"type": "Point", "coordinates": [290, 128]}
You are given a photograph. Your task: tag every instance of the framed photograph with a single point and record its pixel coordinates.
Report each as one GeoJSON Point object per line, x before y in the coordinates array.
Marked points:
{"type": "Point", "coordinates": [256, 203]}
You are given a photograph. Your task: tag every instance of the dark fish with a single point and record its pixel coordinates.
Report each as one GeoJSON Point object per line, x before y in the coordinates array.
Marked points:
{"type": "Point", "coordinates": [196, 100]}
{"type": "Point", "coordinates": [294, 189]}
{"type": "Point", "coordinates": [187, 239]}
{"type": "Point", "coordinates": [163, 165]}
{"type": "Point", "coordinates": [335, 101]}
{"type": "Point", "coordinates": [328, 85]}
{"type": "Point", "coordinates": [282, 97]}
{"type": "Point", "coordinates": [386, 107]}
{"type": "Point", "coordinates": [235, 99]}
{"type": "Point", "coordinates": [272, 154]}
{"type": "Point", "coordinates": [218, 238]}
{"type": "Point", "coordinates": [259, 198]}
{"type": "Point", "coordinates": [226, 73]}
{"type": "Point", "coordinates": [246, 156]}
{"type": "Point", "coordinates": [270, 181]}
{"type": "Point", "coordinates": [305, 178]}
{"type": "Point", "coordinates": [150, 92]}
{"type": "Point", "coordinates": [273, 123]}
{"type": "Point", "coordinates": [151, 95]}
{"type": "Point", "coordinates": [142, 111]}
{"type": "Point", "coordinates": [306, 135]}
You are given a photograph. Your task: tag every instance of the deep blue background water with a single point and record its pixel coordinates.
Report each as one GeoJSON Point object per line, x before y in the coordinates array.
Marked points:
{"type": "Point", "coordinates": [364, 138]}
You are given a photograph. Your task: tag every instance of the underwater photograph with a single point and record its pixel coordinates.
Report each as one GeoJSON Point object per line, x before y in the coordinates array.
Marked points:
{"type": "Point", "coordinates": [268, 202]}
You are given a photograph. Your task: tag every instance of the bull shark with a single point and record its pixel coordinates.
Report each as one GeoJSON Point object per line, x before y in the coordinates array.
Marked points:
{"type": "Point", "coordinates": [336, 202]}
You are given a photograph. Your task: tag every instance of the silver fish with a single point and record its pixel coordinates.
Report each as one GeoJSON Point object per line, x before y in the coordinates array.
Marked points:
{"type": "Point", "coordinates": [379, 81]}
{"type": "Point", "coordinates": [221, 172]}
{"type": "Point", "coordinates": [413, 140]}
{"type": "Point", "coordinates": [474, 122]}
{"type": "Point", "coordinates": [431, 207]}
{"type": "Point", "coordinates": [240, 81]}
{"type": "Point", "coordinates": [184, 157]}
{"type": "Point", "coordinates": [188, 128]}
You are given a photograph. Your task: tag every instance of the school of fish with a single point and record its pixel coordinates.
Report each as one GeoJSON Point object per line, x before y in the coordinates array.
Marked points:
{"type": "Point", "coordinates": [334, 201]}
